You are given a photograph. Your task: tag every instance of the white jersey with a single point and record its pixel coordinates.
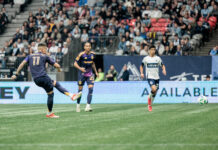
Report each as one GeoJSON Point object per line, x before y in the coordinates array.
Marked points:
{"type": "Point", "coordinates": [152, 65]}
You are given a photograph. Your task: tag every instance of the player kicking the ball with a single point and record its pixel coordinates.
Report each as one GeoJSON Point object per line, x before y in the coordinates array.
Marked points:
{"type": "Point", "coordinates": [152, 64]}
{"type": "Point", "coordinates": [37, 63]}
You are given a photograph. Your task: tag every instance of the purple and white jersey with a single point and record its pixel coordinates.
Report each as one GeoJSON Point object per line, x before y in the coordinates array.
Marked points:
{"type": "Point", "coordinates": [86, 60]}
{"type": "Point", "coordinates": [37, 64]}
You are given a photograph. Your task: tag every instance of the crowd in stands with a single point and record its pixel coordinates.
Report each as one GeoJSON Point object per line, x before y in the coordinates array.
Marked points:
{"type": "Point", "coordinates": [168, 24]}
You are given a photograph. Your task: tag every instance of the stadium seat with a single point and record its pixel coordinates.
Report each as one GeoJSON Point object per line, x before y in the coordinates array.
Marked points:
{"type": "Point", "coordinates": [153, 20]}
{"type": "Point", "coordinates": [213, 19]}
{"type": "Point", "coordinates": [163, 20]}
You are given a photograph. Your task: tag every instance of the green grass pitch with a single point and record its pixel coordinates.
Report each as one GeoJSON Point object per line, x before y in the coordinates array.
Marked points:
{"type": "Point", "coordinates": [110, 127]}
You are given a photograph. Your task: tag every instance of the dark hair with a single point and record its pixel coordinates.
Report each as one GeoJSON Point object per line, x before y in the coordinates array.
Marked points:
{"type": "Point", "coordinates": [152, 46]}
{"type": "Point", "coordinates": [42, 44]}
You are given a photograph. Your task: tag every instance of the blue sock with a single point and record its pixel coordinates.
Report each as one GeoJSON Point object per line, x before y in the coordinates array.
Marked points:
{"type": "Point", "coordinates": [50, 102]}
{"type": "Point", "coordinates": [79, 99]}
{"type": "Point", "coordinates": [60, 88]}
{"type": "Point", "coordinates": [89, 97]}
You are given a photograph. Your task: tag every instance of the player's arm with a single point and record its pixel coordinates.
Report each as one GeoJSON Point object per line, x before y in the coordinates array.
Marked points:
{"type": "Point", "coordinates": [57, 66]}
{"type": "Point", "coordinates": [164, 69]}
{"type": "Point", "coordinates": [78, 67]}
{"type": "Point", "coordinates": [142, 70]}
{"type": "Point", "coordinates": [20, 67]}
{"type": "Point", "coordinates": [94, 68]}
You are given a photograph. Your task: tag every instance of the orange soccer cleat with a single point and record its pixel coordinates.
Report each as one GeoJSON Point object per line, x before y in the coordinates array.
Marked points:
{"type": "Point", "coordinates": [52, 115]}
{"type": "Point", "coordinates": [76, 96]}
{"type": "Point", "coordinates": [149, 108]}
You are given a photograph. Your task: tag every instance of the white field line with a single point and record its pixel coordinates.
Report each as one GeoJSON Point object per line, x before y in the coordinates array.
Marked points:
{"type": "Point", "coordinates": [109, 145]}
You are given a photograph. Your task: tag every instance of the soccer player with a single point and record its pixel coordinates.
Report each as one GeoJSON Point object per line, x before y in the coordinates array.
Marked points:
{"type": "Point", "coordinates": [152, 64]}
{"type": "Point", "coordinates": [37, 63]}
{"type": "Point", "coordinates": [85, 64]}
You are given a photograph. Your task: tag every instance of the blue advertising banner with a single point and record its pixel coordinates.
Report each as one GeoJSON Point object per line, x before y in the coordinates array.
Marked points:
{"type": "Point", "coordinates": [215, 67]}
{"type": "Point", "coordinates": [179, 68]}
{"type": "Point", "coordinates": [112, 92]}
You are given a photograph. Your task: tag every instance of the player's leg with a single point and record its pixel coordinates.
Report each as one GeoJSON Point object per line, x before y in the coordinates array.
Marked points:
{"type": "Point", "coordinates": [79, 99]}
{"type": "Point", "coordinates": [151, 96]}
{"type": "Point", "coordinates": [66, 92]}
{"type": "Point", "coordinates": [90, 82]}
{"type": "Point", "coordinates": [46, 84]}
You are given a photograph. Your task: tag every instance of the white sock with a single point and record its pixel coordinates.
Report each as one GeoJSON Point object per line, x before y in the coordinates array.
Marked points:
{"type": "Point", "coordinates": [48, 113]}
{"type": "Point", "coordinates": [70, 94]}
{"type": "Point", "coordinates": [78, 105]}
{"type": "Point", "coordinates": [87, 105]}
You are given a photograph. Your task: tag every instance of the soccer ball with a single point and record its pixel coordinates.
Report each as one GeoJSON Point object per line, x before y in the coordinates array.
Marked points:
{"type": "Point", "coordinates": [202, 100]}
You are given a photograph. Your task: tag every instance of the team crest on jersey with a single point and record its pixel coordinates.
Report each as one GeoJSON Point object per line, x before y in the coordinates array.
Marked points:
{"type": "Point", "coordinates": [151, 82]}
{"type": "Point", "coordinates": [85, 58]}
{"type": "Point", "coordinates": [92, 57]}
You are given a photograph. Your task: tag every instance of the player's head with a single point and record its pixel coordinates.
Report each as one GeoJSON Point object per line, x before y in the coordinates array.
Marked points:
{"type": "Point", "coordinates": [42, 48]}
{"type": "Point", "coordinates": [152, 50]}
{"type": "Point", "coordinates": [87, 46]}
{"type": "Point", "coordinates": [208, 78]}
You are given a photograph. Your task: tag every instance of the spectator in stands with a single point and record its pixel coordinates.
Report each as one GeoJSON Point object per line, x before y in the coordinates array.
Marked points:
{"type": "Point", "coordinates": [20, 44]}
{"type": "Point", "coordinates": [2, 58]}
{"type": "Point", "coordinates": [205, 12]}
{"type": "Point", "coordinates": [84, 36]}
{"type": "Point", "coordinates": [172, 48]}
{"type": "Point", "coordinates": [186, 47]}
{"type": "Point", "coordinates": [111, 74]}
{"type": "Point", "coordinates": [7, 49]}
{"type": "Point", "coordinates": [17, 35]}
{"type": "Point", "coordinates": [214, 51]}
{"type": "Point", "coordinates": [159, 48]}
{"type": "Point", "coordinates": [100, 75]}
{"type": "Point", "coordinates": [144, 51]}
{"type": "Point", "coordinates": [125, 75]}
{"type": "Point", "coordinates": [56, 35]}
{"type": "Point", "coordinates": [146, 20]}
{"type": "Point", "coordinates": [65, 48]}
{"type": "Point", "coordinates": [59, 56]}
{"type": "Point", "coordinates": [93, 38]}
{"type": "Point", "coordinates": [167, 51]}
{"type": "Point", "coordinates": [15, 50]}
{"type": "Point", "coordinates": [176, 40]}
{"type": "Point", "coordinates": [122, 47]}
{"type": "Point", "coordinates": [178, 51]}
{"type": "Point", "coordinates": [22, 53]}
{"type": "Point", "coordinates": [138, 37]}
{"type": "Point", "coordinates": [165, 41]}
{"type": "Point", "coordinates": [133, 51]}
{"type": "Point", "coordinates": [201, 30]}
{"type": "Point", "coordinates": [177, 30]}
{"type": "Point", "coordinates": [190, 31]}
{"type": "Point", "coordinates": [53, 49]}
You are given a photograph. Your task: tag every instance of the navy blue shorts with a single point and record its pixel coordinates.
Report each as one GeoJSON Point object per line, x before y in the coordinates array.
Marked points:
{"type": "Point", "coordinates": [153, 82]}
{"type": "Point", "coordinates": [45, 82]}
{"type": "Point", "coordinates": [82, 79]}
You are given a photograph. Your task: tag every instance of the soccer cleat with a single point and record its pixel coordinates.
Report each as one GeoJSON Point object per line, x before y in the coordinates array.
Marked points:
{"type": "Point", "coordinates": [52, 115]}
{"type": "Point", "coordinates": [76, 96]}
{"type": "Point", "coordinates": [149, 108]}
{"type": "Point", "coordinates": [88, 108]}
{"type": "Point", "coordinates": [77, 108]}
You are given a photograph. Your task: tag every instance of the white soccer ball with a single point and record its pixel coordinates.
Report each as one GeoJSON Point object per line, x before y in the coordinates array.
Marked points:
{"type": "Point", "coordinates": [202, 100]}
